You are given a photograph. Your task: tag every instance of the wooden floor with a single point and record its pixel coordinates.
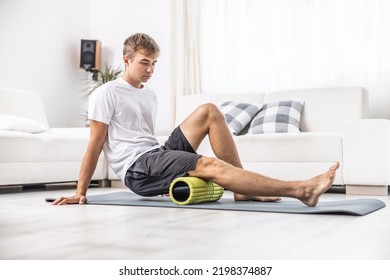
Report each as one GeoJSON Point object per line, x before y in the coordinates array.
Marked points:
{"type": "Point", "coordinates": [33, 229]}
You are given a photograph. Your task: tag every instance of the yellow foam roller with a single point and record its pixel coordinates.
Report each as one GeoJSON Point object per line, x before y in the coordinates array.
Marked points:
{"type": "Point", "coordinates": [193, 190]}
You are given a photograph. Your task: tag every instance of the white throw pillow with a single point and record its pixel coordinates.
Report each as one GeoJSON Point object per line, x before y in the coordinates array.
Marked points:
{"type": "Point", "coordinates": [16, 123]}
{"type": "Point", "coordinates": [238, 114]}
{"type": "Point", "coordinates": [278, 117]}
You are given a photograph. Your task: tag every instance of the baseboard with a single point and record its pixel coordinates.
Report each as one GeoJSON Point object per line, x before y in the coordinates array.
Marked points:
{"type": "Point", "coordinates": [336, 189]}
{"type": "Point", "coordinates": [366, 190]}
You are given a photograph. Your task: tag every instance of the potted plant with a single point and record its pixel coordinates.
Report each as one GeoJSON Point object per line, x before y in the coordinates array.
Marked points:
{"type": "Point", "coordinates": [108, 73]}
{"type": "Point", "coordinates": [101, 77]}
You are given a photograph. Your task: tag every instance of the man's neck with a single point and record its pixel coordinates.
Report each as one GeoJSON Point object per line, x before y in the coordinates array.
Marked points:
{"type": "Point", "coordinates": [132, 82]}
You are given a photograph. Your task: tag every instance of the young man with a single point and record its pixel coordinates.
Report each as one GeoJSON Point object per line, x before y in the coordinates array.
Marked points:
{"type": "Point", "coordinates": [122, 120]}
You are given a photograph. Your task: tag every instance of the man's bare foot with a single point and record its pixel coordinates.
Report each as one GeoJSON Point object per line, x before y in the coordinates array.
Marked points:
{"type": "Point", "coordinates": [316, 186]}
{"type": "Point", "coordinates": [243, 197]}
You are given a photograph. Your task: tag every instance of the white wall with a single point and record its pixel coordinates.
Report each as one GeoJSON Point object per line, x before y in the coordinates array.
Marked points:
{"type": "Point", "coordinates": [39, 51]}
{"type": "Point", "coordinates": [40, 48]}
{"type": "Point", "coordinates": [113, 21]}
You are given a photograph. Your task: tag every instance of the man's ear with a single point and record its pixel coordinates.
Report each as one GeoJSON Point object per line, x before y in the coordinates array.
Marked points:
{"type": "Point", "coordinates": [126, 59]}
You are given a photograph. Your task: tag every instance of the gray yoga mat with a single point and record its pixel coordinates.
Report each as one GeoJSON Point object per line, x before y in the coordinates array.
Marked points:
{"type": "Point", "coordinates": [358, 207]}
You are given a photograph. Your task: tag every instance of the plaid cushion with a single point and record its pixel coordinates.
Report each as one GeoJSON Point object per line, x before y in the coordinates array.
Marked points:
{"type": "Point", "coordinates": [277, 117]}
{"type": "Point", "coordinates": [238, 114]}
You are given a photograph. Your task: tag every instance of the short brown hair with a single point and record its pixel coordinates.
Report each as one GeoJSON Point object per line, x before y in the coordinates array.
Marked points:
{"type": "Point", "coordinates": [139, 41]}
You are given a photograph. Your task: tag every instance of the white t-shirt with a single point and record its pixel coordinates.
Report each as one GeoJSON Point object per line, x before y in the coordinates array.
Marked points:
{"type": "Point", "coordinates": [130, 114]}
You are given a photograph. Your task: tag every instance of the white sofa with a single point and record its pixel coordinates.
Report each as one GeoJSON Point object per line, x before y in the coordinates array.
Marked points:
{"type": "Point", "coordinates": [33, 153]}
{"type": "Point", "coordinates": [333, 128]}
{"type": "Point", "coordinates": [333, 124]}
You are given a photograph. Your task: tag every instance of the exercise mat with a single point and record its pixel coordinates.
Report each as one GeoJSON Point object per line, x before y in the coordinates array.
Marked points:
{"type": "Point", "coordinates": [193, 190]}
{"type": "Point", "coordinates": [358, 207]}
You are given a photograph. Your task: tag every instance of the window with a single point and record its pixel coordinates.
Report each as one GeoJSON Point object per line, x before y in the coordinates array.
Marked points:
{"type": "Point", "coordinates": [264, 45]}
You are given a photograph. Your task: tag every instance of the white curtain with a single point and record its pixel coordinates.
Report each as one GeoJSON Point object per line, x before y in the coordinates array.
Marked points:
{"type": "Point", "coordinates": [267, 45]}
{"type": "Point", "coordinates": [188, 47]}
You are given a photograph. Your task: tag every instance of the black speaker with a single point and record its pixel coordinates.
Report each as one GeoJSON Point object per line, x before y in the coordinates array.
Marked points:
{"type": "Point", "coordinates": [90, 55]}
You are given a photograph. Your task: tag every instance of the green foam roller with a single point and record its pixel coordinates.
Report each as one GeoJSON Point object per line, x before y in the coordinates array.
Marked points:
{"type": "Point", "coordinates": [193, 190]}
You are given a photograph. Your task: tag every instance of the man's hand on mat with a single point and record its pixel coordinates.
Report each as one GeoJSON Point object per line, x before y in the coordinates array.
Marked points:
{"type": "Point", "coordinates": [77, 198]}
{"type": "Point", "coordinates": [242, 197]}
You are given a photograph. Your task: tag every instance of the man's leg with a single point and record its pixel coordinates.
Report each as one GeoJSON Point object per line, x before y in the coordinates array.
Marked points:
{"type": "Point", "coordinates": [208, 120]}
{"type": "Point", "coordinates": [227, 171]}
{"type": "Point", "coordinates": [253, 184]}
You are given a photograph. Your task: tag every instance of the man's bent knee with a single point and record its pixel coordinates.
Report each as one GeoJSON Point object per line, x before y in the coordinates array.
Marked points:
{"type": "Point", "coordinates": [210, 111]}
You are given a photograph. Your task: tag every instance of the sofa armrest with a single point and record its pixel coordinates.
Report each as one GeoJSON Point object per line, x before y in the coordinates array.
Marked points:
{"type": "Point", "coordinates": [366, 154]}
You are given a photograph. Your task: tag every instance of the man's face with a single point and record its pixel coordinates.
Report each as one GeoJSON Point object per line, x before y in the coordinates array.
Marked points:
{"type": "Point", "coordinates": [140, 69]}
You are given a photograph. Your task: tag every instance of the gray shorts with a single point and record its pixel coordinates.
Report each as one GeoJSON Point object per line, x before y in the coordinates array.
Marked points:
{"type": "Point", "coordinates": [154, 171]}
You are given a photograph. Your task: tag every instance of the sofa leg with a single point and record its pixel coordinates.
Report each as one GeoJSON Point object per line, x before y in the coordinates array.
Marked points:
{"type": "Point", "coordinates": [105, 183]}
{"type": "Point", "coordinates": [117, 184]}
{"type": "Point", "coordinates": [366, 190]}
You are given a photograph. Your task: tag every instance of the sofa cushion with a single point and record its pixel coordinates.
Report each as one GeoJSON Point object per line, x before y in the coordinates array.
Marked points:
{"type": "Point", "coordinates": [24, 104]}
{"type": "Point", "coordinates": [286, 147]}
{"type": "Point", "coordinates": [56, 145]}
{"type": "Point", "coordinates": [326, 109]}
{"type": "Point", "coordinates": [16, 123]}
{"type": "Point", "coordinates": [278, 117]}
{"type": "Point", "coordinates": [238, 114]}
{"type": "Point", "coordinates": [47, 157]}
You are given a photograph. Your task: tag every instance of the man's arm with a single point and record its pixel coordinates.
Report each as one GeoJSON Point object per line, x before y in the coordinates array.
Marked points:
{"type": "Point", "coordinates": [88, 165]}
